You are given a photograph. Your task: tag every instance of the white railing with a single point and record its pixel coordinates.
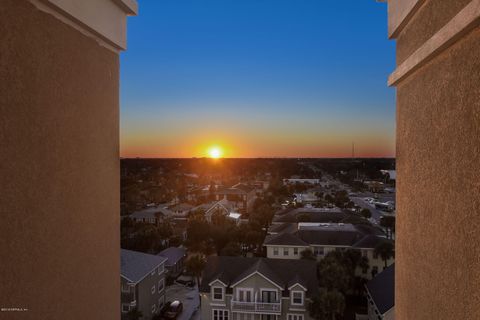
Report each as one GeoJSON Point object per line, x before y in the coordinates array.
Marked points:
{"type": "Point", "coordinates": [264, 307]}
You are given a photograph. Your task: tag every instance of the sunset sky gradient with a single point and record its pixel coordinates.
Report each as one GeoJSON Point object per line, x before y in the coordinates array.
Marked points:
{"type": "Point", "coordinates": [258, 78]}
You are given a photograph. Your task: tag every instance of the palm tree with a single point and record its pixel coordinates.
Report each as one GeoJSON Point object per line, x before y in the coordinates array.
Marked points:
{"type": "Point", "coordinates": [385, 250]}
{"type": "Point", "coordinates": [327, 305]}
{"type": "Point", "coordinates": [195, 265]}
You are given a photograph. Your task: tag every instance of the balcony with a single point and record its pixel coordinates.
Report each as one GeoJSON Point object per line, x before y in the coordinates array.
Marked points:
{"type": "Point", "coordinates": [258, 307]}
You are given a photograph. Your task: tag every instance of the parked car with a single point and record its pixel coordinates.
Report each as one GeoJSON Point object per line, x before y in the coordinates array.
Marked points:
{"type": "Point", "coordinates": [173, 310]}
{"type": "Point", "coordinates": [186, 281]}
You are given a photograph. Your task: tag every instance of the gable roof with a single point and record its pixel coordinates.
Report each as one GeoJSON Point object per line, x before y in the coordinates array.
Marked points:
{"type": "Point", "coordinates": [151, 212]}
{"type": "Point", "coordinates": [284, 239]}
{"type": "Point", "coordinates": [173, 255]}
{"type": "Point", "coordinates": [282, 272]}
{"type": "Point", "coordinates": [134, 265]}
{"type": "Point", "coordinates": [382, 289]}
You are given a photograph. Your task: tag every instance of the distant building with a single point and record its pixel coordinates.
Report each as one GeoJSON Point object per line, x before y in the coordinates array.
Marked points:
{"type": "Point", "coordinates": [257, 289]}
{"type": "Point", "coordinates": [175, 260]}
{"type": "Point", "coordinates": [241, 195]}
{"type": "Point", "coordinates": [222, 207]}
{"type": "Point", "coordinates": [181, 210]}
{"type": "Point", "coordinates": [322, 238]}
{"type": "Point", "coordinates": [142, 281]}
{"type": "Point", "coordinates": [381, 295]}
{"type": "Point", "coordinates": [153, 215]}
{"type": "Point", "coordinates": [374, 186]}
{"type": "Point", "coordinates": [303, 181]}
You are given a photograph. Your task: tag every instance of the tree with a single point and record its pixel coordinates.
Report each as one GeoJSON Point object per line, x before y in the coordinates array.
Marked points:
{"type": "Point", "coordinates": [333, 274]}
{"type": "Point", "coordinates": [307, 254]}
{"type": "Point", "coordinates": [366, 213]}
{"type": "Point", "coordinates": [388, 222]}
{"type": "Point", "coordinates": [385, 250]}
{"type": "Point", "coordinates": [231, 249]}
{"type": "Point", "coordinates": [195, 265]}
{"type": "Point", "coordinates": [327, 305]}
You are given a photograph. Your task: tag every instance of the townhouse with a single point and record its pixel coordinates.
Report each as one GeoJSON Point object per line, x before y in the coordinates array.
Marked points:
{"type": "Point", "coordinates": [322, 238]}
{"type": "Point", "coordinates": [238, 288]}
{"type": "Point", "coordinates": [152, 215]}
{"type": "Point", "coordinates": [142, 282]}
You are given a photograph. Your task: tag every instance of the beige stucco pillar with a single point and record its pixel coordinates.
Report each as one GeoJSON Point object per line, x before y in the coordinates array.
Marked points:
{"type": "Point", "coordinates": [59, 157]}
{"type": "Point", "coordinates": [438, 158]}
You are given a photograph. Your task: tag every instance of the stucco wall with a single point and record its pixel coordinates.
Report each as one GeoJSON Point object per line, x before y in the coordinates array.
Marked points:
{"type": "Point", "coordinates": [438, 186]}
{"type": "Point", "coordinates": [59, 169]}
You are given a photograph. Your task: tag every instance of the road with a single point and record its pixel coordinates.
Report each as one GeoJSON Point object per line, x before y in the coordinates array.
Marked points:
{"type": "Point", "coordinates": [188, 296]}
{"type": "Point", "coordinates": [376, 214]}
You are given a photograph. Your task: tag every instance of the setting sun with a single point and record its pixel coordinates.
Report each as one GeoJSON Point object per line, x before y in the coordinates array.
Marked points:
{"type": "Point", "coordinates": [215, 152]}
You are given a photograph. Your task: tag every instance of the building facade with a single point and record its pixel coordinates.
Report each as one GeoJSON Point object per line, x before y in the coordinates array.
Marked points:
{"type": "Point", "coordinates": [142, 281]}
{"type": "Point", "coordinates": [438, 157]}
{"type": "Point", "coordinates": [257, 289]}
{"type": "Point", "coordinates": [323, 238]}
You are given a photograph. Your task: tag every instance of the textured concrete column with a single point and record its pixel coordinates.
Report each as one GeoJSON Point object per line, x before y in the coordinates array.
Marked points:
{"type": "Point", "coordinates": [438, 158]}
{"type": "Point", "coordinates": [59, 159]}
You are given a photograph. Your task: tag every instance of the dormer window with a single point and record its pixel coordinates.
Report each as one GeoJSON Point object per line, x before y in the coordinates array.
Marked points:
{"type": "Point", "coordinates": [297, 298]}
{"type": "Point", "coordinates": [217, 293]}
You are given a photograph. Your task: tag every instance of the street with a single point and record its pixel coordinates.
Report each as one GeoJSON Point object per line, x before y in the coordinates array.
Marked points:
{"type": "Point", "coordinates": [188, 296]}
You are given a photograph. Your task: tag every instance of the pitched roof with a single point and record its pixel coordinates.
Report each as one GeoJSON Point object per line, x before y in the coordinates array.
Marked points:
{"type": "Point", "coordinates": [182, 207]}
{"type": "Point", "coordinates": [173, 255]}
{"type": "Point", "coordinates": [282, 227]}
{"type": "Point", "coordinates": [151, 212]}
{"type": "Point", "coordinates": [280, 271]}
{"type": "Point", "coordinates": [284, 239]}
{"type": "Point", "coordinates": [134, 265]}
{"type": "Point", "coordinates": [369, 242]}
{"type": "Point", "coordinates": [315, 215]}
{"type": "Point", "coordinates": [382, 289]}
{"type": "Point", "coordinates": [333, 238]}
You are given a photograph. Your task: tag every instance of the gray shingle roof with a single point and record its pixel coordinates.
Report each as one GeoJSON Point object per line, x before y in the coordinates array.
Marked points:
{"type": "Point", "coordinates": [369, 242]}
{"type": "Point", "coordinates": [173, 255]}
{"type": "Point", "coordinates": [284, 239]}
{"type": "Point", "coordinates": [332, 238]}
{"type": "Point", "coordinates": [134, 265]}
{"type": "Point", "coordinates": [281, 271]}
{"type": "Point", "coordinates": [151, 212]}
{"type": "Point", "coordinates": [382, 289]}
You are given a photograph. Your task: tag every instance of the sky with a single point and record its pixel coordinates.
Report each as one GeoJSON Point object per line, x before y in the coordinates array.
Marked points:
{"type": "Point", "coordinates": [257, 78]}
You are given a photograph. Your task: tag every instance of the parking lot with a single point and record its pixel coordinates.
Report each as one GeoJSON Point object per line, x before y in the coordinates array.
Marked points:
{"type": "Point", "coordinates": [188, 296]}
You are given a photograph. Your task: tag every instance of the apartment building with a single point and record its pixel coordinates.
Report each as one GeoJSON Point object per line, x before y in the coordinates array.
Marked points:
{"type": "Point", "coordinates": [381, 295]}
{"type": "Point", "coordinates": [238, 288]}
{"type": "Point", "coordinates": [322, 238]}
{"type": "Point", "coordinates": [142, 281]}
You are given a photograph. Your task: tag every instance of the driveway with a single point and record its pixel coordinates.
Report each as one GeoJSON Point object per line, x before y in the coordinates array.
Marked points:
{"type": "Point", "coordinates": [188, 296]}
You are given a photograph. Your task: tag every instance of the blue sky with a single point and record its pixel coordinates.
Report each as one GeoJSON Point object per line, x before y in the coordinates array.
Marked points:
{"type": "Point", "coordinates": [258, 78]}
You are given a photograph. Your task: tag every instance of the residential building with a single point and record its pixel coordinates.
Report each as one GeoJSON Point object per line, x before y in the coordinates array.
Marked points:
{"type": "Point", "coordinates": [322, 238]}
{"type": "Point", "coordinates": [181, 210]}
{"type": "Point", "coordinates": [241, 195]}
{"type": "Point", "coordinates": [381, 295]}
{"type": "Point", "coordinates": [152, 215]}
{"type": "Point", "coordinates": [175, 260]}
{"type": "Point", "coordinates": [59, 146]}
{"type": "Point", "coordinates": [257, 288]}
{"type": "Point", "coordinates": [142, 281]}
{"type": "Point", "coordinates": [221, 207]}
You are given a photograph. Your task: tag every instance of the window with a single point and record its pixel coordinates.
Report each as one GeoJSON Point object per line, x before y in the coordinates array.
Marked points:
{"type": "Point", "coordinates": [295, 251]}
{"type": "Point", "coordinates": [297, 298]}
{"type": "Point", "coordinates": [220, 314]}
{"type": "Point", "coordinates": [318, 251]}
{"type": "Point", "coordinates": [153, 289]}
{"type": "Point", "coordinates": [217, 293]}
{"type": "Point", "coordinates": [295, 317]}
{"type": "Point", "coordinates": [364, 253]}
{"type": "Point", "coordinates": [161, 285]}
{"type": "Point", "coordinates": [285, 251]}
{"type": "Point", "coordinates": [154, 308]}
{"type": "Point", "coordinates": [125, 307]}
{"type": "Point", "coordinates": [125, 287]}
{"type": "Point", "coordinates": [161, 268]}
{"type": "Point", "coordinates": [275, 251]}
{"type": "Point", "coordinates": [375, 255]}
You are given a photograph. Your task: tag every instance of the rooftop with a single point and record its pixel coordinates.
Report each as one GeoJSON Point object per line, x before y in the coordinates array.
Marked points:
{"type": "Point", "coordinates": [382, 289]}
{"type": "Point", "coordinates": [134, 265]}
